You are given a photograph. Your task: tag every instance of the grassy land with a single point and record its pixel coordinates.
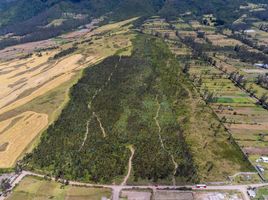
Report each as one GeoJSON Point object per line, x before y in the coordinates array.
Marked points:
{"type": "Point", "coordinates": [34, 188]}
{"type": "Point", "coordinates": [261, 193]}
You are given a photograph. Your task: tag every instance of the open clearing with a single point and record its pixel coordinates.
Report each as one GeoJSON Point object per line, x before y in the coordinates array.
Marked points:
{"type": "Point", "coordinates": [34, 188]}
{"type": "Point", "coordinates": [16, 133]}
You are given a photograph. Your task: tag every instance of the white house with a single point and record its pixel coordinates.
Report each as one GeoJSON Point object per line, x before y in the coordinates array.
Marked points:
{"type": "Point", "coordinates": [251, 193]}
{"type": "Point", "coordinates": [264, 159]}
{"type": "Point", "coordinates": [249, 31]}
{"type": "Point", "coordinates": [261, 65]}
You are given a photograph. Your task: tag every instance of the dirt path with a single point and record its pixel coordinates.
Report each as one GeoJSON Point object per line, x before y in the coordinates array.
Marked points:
{"type": "Point", "coordinates": [101, 127]}
{"type": "Point", "coordinates": [175, 169]}
{"type": "Point", "coordinates": [162, 143]}
{"type": "Point", "coordinates": [157, 123]}
{"type": "Point", "coordinates": [129, 165]}
{"type": "Point", "coordinates": [85, 137]}
{"type": "Point", "coordinates": [93, 113]}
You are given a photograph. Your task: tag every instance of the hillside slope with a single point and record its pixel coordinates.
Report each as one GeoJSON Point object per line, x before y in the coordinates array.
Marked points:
{"type": "Point", "coordinates": [21, 10]}
{"type": "Point", "coordinates": [138, 103]}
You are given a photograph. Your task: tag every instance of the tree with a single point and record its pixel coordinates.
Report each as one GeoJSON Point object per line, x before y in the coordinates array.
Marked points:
{"type": "Point", "coordinates": [263, 99]}
{"type": "Point", "coordinates": [18, 168]}
{"type": "Point", "coordinates": [186, 68]}
{"type": "Point", "coordinates": [5, 185]}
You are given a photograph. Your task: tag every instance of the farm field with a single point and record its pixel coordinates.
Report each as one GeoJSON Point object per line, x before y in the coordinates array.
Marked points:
{"type": "Point", "coordinates": [38, 81]}
{"type": "Point", "coordinates": [242, 116]}
{"type": "Point", "coordinates": [246, 121]}
{"type": "Point", "coordinates": [178, 195]}
{"type": "Point", "coordinates": [34, 188]}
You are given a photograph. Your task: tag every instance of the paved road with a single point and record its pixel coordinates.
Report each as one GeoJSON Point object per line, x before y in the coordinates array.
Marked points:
{"type": "Point", "coordinates": [118, 188]}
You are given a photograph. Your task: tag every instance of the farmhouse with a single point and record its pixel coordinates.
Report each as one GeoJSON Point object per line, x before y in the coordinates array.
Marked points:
{"type": "Point", "coordinates": [265, 66]}
{"type": "Point", "coordinates": [249, 31]}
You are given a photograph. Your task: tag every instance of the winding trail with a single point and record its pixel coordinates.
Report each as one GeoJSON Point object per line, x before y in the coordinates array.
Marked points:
{"type": "Point", "coordinates": [101, 127]}
{"type": "Point", "coordinates": [162, 143]}
{"type": "Point", "coordinates": [93, 113]}
{"type": "Point", "coordinates": [85, 137]}
{"type": "Point", "coordinates": [129, 165]}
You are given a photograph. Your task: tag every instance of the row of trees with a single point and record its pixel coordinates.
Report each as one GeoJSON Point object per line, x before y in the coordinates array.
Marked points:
{"type": "Point", "coordinates": [199, 52]}
{"type": "Point", "coordinates": [248, 56]}
{"type": "Point", "coordinates": [250, 42]}
{"type": "Point", "coordinates": [262, 80]}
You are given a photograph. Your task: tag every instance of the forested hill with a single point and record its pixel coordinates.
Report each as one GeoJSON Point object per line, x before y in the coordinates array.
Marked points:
{"type": "Point", "coordinates": [14, 11]}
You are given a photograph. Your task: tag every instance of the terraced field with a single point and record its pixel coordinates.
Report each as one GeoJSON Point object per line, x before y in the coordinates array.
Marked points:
{"type": "Point", "coordinates": [246, 121]}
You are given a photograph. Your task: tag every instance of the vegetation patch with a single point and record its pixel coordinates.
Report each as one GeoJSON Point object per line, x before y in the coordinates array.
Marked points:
{"type": "Point", "coordinates": [143, 100]}
{"type": "Point", "coordinates": [35, 188]}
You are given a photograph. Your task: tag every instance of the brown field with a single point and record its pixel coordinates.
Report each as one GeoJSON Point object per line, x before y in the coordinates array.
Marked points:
{"type": "Point", "coordinates": [33, 79]}
{"type": "Point", "coordinates": [222, 40]}
{"type": "Point", "coordinates": [18, 50]}
{"type": "Point", "coordinates": [18, 134]}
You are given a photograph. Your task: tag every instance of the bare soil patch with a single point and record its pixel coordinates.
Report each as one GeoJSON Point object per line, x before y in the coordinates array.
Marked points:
{"type": "Point", "coordinates": [256, 150]}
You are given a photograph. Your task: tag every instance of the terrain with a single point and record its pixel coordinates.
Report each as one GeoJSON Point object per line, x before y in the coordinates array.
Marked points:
{"type": "Point", "coordinates": [143, 101]}
{"type": "Point", "coordinates": [135, 96]}
{"type": "Point", "coordinates": [36, 82]}
{"type": "Point", "coordinates": [32, 187]}
{"type": "Point", "coordinates": [227, 81]}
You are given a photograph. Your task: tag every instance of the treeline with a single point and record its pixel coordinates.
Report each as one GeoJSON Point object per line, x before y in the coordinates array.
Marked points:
{"type": "Point", "coordinates": [245, 55]}
{"type": "Point", "coordinates": [239, 52]}
{"type": "Point", "coordinates": [244, 39]}
{"type": "Point", "coordinates": [262, 80]}
{"type": "Point", "coordinates": [65, 52]}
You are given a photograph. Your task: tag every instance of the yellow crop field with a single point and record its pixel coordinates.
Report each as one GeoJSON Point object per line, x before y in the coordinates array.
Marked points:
{"type": "Point", "coordinates": [16, 133]}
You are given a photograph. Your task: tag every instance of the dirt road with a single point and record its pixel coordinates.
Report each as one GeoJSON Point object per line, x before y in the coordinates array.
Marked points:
{"type": "Point", "coordinates": [129, 165]}
{"type": "Point", "coordinates": [118, 188]}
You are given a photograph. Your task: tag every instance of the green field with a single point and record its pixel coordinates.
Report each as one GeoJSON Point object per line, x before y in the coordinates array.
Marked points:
{"type": "Point", "coordinates": [32, 188]}
{"type": "Point", "coordinates": [261, 193]}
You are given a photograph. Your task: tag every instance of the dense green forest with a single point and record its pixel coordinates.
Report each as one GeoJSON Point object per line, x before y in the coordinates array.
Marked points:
{"type": "Point", "coordinates": [115, 105]}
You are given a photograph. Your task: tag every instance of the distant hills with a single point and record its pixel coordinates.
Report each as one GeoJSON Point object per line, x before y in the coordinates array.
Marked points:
{"type": "Point", "coordinates": [33, 20]}
{"type": "Point", "coordinates": [14, 11]}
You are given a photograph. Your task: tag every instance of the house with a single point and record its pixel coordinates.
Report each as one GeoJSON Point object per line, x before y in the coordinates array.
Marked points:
{"type": "Point", "coordinates": [264, 159]}
{"type": "Point", "coordinates": [249, 31]}
{"type": "Point", "coordinates": [251, 193]}
{"type": "Point", "coordinates": [265, 66]}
